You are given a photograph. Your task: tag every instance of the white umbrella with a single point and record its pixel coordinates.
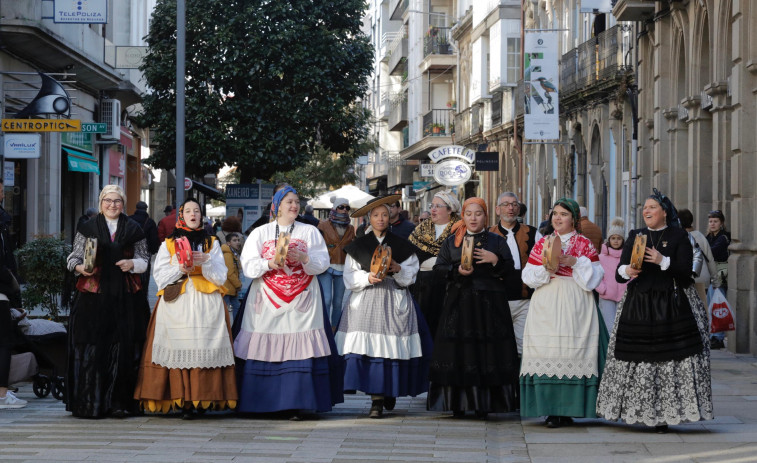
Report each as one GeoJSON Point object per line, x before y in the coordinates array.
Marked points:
{"type": "Point", "coordinates": [357, 197]}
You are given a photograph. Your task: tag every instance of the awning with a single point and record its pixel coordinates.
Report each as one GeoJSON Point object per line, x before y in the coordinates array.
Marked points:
{"type": "Point", "coordinates": [208, 190]}
{"type": "Point", "coordinates": [79, 161]}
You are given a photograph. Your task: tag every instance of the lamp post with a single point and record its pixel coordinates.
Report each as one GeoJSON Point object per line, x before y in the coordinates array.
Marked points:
{"type": "Point", "coordinates": [181, 32]}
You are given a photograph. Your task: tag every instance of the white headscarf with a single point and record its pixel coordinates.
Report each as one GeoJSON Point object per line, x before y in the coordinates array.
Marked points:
{"type": "Point", "coordinates": [450, 200]}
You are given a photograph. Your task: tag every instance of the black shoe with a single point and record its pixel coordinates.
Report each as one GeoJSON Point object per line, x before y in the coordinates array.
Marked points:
{"type": "Point", "coordinates": [661, 429]}
{"type": "Point", "coordinates": [118, 414]}
{"type": "Point", "coordinates": [566, 421]}
{"type": "Point", "coordinates": [295, 417]}
{"type": "Point", "coordinates": [389, 403]}
{"type": "Point", "coordinates": [377, 409]}
{"type": "Point", "coordinates": [458, 414]}
{"type": "Point", "coordinates": [187, 415]}
{"type": "Point", "coordinates": [553, 422]}
{"type": "Point", "coordinates": [716, 343]}
{"type": "Point", "coordinates": [482, 415]}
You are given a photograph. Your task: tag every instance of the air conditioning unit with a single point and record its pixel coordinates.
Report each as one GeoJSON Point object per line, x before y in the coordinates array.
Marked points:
{"type": "Point", "coordinates": [110, 113]}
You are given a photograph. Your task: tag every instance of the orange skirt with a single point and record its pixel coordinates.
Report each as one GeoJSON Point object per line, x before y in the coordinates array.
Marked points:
{"type": "Point", "coordinates": [160, 389]}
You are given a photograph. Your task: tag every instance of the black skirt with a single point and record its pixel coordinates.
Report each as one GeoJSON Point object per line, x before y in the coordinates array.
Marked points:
{"type": "Point", "coordinates": [475, 362]}
{"type": "Point", "coordinates": [657, 326]}
{"type": "Point", "coordinates": [428, 293]}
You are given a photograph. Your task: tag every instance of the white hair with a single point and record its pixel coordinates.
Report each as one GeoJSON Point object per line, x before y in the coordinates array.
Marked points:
{"type": "Point", "coordinates": [107, 189]}
{"type": "Point", "coordinates": [509, 194]}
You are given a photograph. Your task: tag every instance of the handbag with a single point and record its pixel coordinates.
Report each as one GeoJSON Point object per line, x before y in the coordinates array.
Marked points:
{"type": "Point", "coordinates": [172, 291]}
{"type": "Point", "coordinates": [721, 315]}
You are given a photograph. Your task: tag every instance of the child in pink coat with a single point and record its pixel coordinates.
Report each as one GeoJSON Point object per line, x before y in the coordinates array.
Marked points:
{"type": "Point", "coordinates": [610, 291]}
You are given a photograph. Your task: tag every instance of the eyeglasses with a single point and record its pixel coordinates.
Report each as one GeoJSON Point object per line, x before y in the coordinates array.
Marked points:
{"type": "Point", "coordinates": [513, 205]}
{"type": "Point", "coordinates": [439, 206]}
{"type": "Point", "coordinates": [109, 201]}
{"type": "Point", "coordinates": [343, 207]}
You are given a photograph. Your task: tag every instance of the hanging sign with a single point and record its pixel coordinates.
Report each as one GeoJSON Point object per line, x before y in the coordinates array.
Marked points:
{"type": "Point", "coordinates": [41, 125]}
{"type": "Point", "coordinates": [22, 145]}
{"type": "Point", "coordinates": [541, 80]}
{"type": "Point", "coordinates": [452, 172]}
{"type": "Point", "coordinates": [80, 11]}
{"type": "Point", "coordinates": [487, 161]}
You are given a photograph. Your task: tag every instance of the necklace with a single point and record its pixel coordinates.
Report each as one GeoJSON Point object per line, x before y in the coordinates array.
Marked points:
{"type": "Point", "coordinates": [291, 229]}
{"type": "Point", "coordinates": [658, 239]}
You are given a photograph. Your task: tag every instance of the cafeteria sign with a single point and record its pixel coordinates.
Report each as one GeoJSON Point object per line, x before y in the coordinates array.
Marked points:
{"type": "Point", "coordinates": [453, 164]}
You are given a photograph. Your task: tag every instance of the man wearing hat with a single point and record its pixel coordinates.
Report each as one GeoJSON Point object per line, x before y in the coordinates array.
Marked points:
{"type": "Point", "coordinates": [167, 224]}
{"type": "Point", "coordinates": [151, 234]}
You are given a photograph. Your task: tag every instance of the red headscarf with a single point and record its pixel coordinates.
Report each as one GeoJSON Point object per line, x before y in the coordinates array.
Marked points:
{"type": "Point", "coordinates": [180, 222]}
{"type": "Point", "coordinates": [459, 229]}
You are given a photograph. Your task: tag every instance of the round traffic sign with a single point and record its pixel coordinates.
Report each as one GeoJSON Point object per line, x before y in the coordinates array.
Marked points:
{"type": "Point", "coordinates": [187, 183]}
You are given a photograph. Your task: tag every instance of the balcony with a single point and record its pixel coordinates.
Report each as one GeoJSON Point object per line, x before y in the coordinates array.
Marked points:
{"type": "Point", "coordinates": [596, 64]}
{"type": "Point", "coordinates": [462, 125]}
{"type": "Point", "coordinates": [398, 112]}
{"type": "Point", "coordinates": [496, 109]}
{"type": "Point", "coordinates": [398, 9]}
{"type": "Point", "coordinates": [385, 48]}
{"type": "Point", "coordinates": [398, 56]}
{"type": "Point", "coordinates": [385, 107]}
{"type": "Point", "coordinates": [628, 10]}
{"type": "Point", "coordinates": [436, 41]}
{"type": "Point", "coordinates": [476, 119]}
{"type": "Point", "coordinates": [438, 123]}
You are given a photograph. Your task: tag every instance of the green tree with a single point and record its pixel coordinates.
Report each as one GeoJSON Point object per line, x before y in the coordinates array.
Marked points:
{"type": "Point", "coordinates": [267, 82]}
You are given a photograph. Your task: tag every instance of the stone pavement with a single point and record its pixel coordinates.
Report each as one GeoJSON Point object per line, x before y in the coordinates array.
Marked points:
{"type": "Point", "coordinates": [44, 431]}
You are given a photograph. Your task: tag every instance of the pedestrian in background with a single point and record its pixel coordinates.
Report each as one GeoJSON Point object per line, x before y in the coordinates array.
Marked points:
{"type": "Point", "coordinates": [564, 341]}
{"type": "Point", "coordinates": [398, 224]}
{"type": "Point", "coordinates": [167, 224]}
{"type": "Point", "coordinates": [108, 321]}
{"type": "Point", "coordinates": [188, 360]}
{"type": "Point", "coordinates": [709, 269]}
{"type": "Point", "coordinates": [308, 216]}
{"type": "Point", "coordinates": [382, 336]}
{"type": "Point", "coordinates": [150, 230]}
{"type": "Point", "coordinates": [338, 233]}
{"type": "Point", "coordinates": [475, 361]}
{"type": "Point", "coordinates": [520, 239]}
{"type": "Point", "coordinates": [233, 284]}
{"type": "Point", "coordinates": [658, 361]}
{"type": "Point", "coordinates": [88, 215]}
{"type": "Point", "coordinates": [719, 239]}
{"type": "Point", "coordinates": [611, 291]}
{"type": "Point", "coordinates": [230, 224]}
{"type": "Point", "coordinates": [590, 230]}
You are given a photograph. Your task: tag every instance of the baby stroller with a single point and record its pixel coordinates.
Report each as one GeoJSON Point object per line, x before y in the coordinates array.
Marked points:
{"type": "Point", "coordinates": [47, 341]}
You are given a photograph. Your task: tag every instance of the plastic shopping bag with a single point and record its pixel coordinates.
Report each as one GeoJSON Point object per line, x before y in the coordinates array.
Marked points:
{"type": "Point", "coordinates": [722, 318]}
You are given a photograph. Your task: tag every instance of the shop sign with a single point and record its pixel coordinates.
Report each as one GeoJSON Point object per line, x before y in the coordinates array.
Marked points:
{"type": "Point", "coordinates": [452, 151]}
{"type": "Point", "coordinates": [9, 173]}
{"type": "Point", "coordinates": [78, 140]}
{"type": "Point", "coordinates": [487, 161]}
{"type": "Point", "coordinates": [41, 125]}
{"type": "Point", "coordinates": [452, 172]}
{"type": "Point", "coordinates": [427, 170]}
{"type": "Point", "coordinates": [22, 145]}
{"type": "Point", "coordinates": [80, 12]}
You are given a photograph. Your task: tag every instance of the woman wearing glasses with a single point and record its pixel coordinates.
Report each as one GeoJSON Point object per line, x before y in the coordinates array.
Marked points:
{"type": "Point", "coordinates": [109, 319]}
{"type": "Point", "coordinates": [428, 237]}
{"type": "Point", "coordinates": [338, 233]}
{"type": "Point", "coordinates": [658, 360]}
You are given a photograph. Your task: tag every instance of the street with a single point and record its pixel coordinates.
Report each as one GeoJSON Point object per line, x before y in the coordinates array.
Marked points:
{"type": "Point", "coordinates": [44, 431]}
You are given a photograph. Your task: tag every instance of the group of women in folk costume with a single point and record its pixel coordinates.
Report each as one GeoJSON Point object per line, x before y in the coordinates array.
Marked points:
{"type": "Point", "coordinates": [655, 371]}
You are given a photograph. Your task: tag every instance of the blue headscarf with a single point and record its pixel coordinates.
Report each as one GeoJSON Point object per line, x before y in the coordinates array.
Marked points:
{"type": "Point", "coordinates": [278, 197]}
{"type": "Point", "coordinates": [667, 205]}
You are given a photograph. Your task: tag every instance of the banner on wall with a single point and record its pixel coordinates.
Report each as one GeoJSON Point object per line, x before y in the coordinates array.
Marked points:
{"type": "Point", "coordinates": [541, 78]}
{"type": "Point", "coordinates": [80, 11]}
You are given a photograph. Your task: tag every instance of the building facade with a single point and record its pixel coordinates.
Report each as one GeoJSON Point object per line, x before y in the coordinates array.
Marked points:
{"type": "Point", "coordinates": [652, 94]}
{"type": "Point", "coordinates": [95, 63]}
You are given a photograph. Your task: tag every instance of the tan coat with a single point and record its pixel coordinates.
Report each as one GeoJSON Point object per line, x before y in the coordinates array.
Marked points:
{"type": "Point", "coordinates": [591, 231]}
{"type": "Point", "coordinates": [233, 284]}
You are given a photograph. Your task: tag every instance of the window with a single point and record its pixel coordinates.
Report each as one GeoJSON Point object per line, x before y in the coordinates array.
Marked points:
{"type": "Point", "coordinates": [513, 59]}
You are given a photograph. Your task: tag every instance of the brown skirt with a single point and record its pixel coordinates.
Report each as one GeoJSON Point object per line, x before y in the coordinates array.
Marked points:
{"type": "Point", "coordinates": [161, 389]}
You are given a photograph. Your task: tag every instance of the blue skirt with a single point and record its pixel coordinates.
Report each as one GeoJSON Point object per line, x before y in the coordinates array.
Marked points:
{"type": "Point", "coordinates": [310, 384]}
{"type": "Point", "coordinates": [391, 377]}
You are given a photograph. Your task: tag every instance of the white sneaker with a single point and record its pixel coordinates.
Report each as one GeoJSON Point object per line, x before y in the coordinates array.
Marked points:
{"type": "Point", "coordinates": [11, 401]}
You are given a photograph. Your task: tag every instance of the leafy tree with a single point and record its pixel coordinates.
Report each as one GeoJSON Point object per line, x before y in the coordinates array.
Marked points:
{"type": "Point", "coordinates": [267, 82]}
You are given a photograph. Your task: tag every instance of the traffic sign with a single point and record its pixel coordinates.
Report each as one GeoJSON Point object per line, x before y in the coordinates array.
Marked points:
{"type": "Point", "coordinates": [187, 183]}
{"type": "Point", "coordinates": [94, 127]}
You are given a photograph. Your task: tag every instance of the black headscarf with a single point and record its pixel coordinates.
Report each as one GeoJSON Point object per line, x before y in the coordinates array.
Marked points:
{"type": "Point", "coordinates": [671, 218]}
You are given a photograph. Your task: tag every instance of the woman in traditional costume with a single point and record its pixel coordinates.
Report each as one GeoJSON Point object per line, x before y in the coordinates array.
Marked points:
{"type": "Point", "coordinates": [475, 360]}
{"type": "Point", "coordinates": [188, 361]}
{"type": "Point", "coordinates": [338, 233]}
{"type": "Point", "coordinates": [658, 361]}
{"type": "Point", "coordinates": [428, 237]}
{"type": "Point", "coordinates": [382, 336]}
{"type": "Point", "coordinates": [287, 360]}
{"type": "Point", "coordinates": [565, 340]}
{"type": "Point", "coordinates": [108, 320]}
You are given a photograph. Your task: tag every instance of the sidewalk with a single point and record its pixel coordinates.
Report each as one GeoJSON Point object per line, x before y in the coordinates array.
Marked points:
{"type": "Point", "coordinates": [44, 431]}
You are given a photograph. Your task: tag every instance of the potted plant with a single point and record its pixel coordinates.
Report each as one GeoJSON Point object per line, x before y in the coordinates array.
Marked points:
{"type": "Point", "coordinates": [42, 264]}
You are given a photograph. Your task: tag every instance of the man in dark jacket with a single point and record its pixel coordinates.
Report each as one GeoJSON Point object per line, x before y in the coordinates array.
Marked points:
{"type": "Point", "coordinates": [151, 234]}
{"type": "Point", "coordinates": [397, 224]}
{"type": "Point", "coordinates": [88, 214]}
